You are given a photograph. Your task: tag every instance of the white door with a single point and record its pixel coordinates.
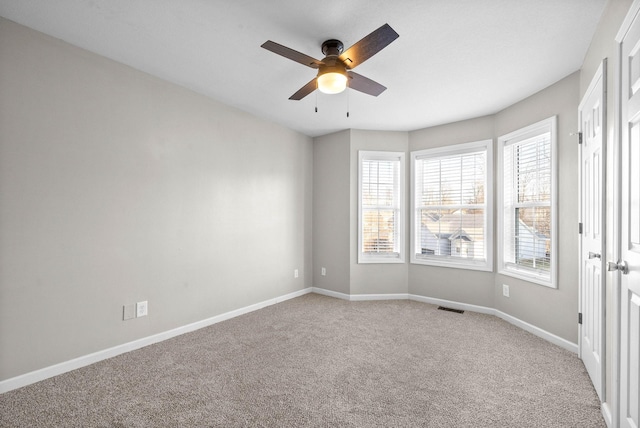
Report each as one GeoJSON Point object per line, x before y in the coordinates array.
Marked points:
{"type": "Point", "coordinates": [592, 217]}
{"type": "Point", "coordinates": [628, 267]}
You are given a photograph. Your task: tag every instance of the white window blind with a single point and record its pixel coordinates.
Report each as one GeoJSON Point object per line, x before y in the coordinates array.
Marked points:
{"type": "Point", "coordinates": [527, 212]}
{"type": "Point", "coordinates": [527, 203]}
{"type": "Point", "coordinates": [381, 202]}
{"type": "Point", "coordinates": [450, 218]}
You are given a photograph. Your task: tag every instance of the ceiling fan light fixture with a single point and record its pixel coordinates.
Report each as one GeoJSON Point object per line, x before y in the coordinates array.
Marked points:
{"type": "Point", "coordinates": [333, 77]}
{"type": "Point", "coordinates": [332, 82]}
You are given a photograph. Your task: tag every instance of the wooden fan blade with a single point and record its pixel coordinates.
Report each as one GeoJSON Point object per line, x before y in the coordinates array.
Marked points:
{"type": "Point", "coordinates": [305, 90]}
{"type": "Point", "coordinates": [291, 54]}
{"type": "Point", "coordinates": [364, 84]}
{"type": "Point", "coordinates": [368, 46]}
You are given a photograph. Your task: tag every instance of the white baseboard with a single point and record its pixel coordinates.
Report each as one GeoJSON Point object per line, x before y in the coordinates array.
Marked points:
{"type": "Point", "coordinates": [358, 297]}
{"type": "Point", "coordinates": [556, 340]}
{"type": "Point", "coordinates": [365, 297]}
{"type": "Point", "coordinates": [606, 414]}
{"type": "Point", "coordinates": [76, 363]}
{"type": "Point", "coordinates": [452, 304]}
{"type": "Point", "coordinates": [550, 337]}
{"type": "Point", "coordinates": [330, 293]}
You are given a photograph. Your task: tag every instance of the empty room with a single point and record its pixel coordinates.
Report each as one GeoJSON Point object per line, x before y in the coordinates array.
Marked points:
{"type": "Point", "coordinates": [340, 213]}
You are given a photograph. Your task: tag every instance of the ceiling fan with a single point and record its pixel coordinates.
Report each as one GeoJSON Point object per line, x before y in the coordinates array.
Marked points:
{"type": "Point", "coordinates": [334, 71]}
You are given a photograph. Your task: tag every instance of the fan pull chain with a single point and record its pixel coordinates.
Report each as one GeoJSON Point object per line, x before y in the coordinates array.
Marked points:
{"type": "Point", "coordinates": [348, 91]}
{"type": "Point", "coordinates": [316, 101]}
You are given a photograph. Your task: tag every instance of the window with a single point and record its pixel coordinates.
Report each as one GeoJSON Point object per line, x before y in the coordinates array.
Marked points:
{"type": "Point", "coordinates": [452, 206]}
{"type": "Point", "coordinates": [527, 216]}
{"type": "Point", "coordinates": [381, 207]}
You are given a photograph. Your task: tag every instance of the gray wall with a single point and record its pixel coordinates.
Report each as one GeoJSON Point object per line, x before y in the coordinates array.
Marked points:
{"type": "Point", "coordinates": [374, 278]}
{"type": "Point", "coordinates": [331, 211]}
{"type": "Point", "coordinates": [117, 187]}
{"type": "Point", "coordinates": [553, 310]}
{"type": "Point", "coordinates": [335, 215]}
{"type": "Point", "coordinates": [459, 285]}
{"type": "Point", "coordinates": [603, 46]}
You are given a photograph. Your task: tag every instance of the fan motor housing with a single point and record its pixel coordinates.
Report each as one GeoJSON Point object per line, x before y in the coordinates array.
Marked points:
{"type": "Point", "coordinates": [331, 64]}
{"type": "Point", "coordinates": [332, 47]}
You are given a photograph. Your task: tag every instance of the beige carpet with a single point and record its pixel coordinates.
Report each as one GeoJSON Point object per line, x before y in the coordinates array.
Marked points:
{"type": "Point", "coordinates": [322, 362]}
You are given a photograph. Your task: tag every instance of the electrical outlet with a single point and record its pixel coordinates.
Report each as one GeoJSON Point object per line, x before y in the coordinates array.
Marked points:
{"type": "Point", "coordinates": [505, 290]}
{"type": "Point", "coordinates": [323, 271]}
{"type": "Point", "coordinates": [128, 312]}
{"type": "Point", "coordinates": [141, 309]}
{"type": "Point", "coordinates": [295, 273]}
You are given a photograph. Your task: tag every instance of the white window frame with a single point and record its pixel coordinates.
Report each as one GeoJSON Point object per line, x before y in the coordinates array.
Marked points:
{"type": "Point", "coordinates": [505, 268]}
{"type": "Point", "coordinates": [399, 255]}
{"type": "Point", "coordinates": [455, 262]}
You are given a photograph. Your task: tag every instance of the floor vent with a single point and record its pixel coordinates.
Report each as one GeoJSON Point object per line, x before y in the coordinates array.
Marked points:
{"type": "Point", "coordinates": [457, 311]}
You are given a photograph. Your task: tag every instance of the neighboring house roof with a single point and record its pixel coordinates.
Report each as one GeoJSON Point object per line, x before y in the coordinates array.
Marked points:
{"type": "Point", "coordinates": [458, 234]}
{"type": "Point", "coordinates": [456, 225]}
{"type": "Point", "coordinates": [531, 230]}
{"type": "Point", "coordinates": [461, 234]}
{"type": "Point", "coordinates": [441, 235]}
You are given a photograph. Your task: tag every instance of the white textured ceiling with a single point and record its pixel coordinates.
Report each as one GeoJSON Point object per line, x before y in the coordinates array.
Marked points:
{"type": "Point", "coordinates": [454, 59]}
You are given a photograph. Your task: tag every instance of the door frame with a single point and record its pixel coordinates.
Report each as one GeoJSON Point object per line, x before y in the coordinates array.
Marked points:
{"type": "Point", "coordinates": [599, 75]}
{"type": "Point", "coordinates": [616, 250]}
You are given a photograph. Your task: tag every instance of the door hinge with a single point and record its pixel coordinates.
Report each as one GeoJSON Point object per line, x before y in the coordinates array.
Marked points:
{"type": "Point", "coordinates": [579, 317]}
{"type": "Point", "coordinates": [579, 137]}
{"type": "Point", "coordinates": [580, 228]}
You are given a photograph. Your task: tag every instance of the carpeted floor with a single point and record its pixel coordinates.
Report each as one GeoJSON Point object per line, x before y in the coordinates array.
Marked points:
{"type": "Point", "coordinates": [322, 362]}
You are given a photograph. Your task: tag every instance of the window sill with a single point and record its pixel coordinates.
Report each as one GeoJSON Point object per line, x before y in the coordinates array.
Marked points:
{"type": "Point", "coordinates": [528, 276]}
{"type": "Point", "coordinates": [383, 260]}
{"type": "Point", "coordinates": [449, 263]}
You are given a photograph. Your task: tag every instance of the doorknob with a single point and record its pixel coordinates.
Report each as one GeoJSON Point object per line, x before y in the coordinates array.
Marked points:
{"type": "Point", "coordinates": [622, 267]}
{"type": "Point", "coordinates": [593, 255]}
